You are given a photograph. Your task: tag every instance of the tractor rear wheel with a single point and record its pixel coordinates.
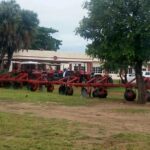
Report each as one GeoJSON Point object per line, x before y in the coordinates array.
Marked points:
{"type": "Point", "coordinates": [95, 93]}
{"type": "Point", "coordinates": [147, 96]}
{"type": "Point", "coordinates": [50, 88]}
{"type": "Point", "coordinates": [69, 90]}
{"type": "Point", "coordinates": [7, 84]}
{"type": "Point", "coordinates": [84, 92]}
{"type": "Point", "coordinates": [129, 95]}
{"type": "Point", "coordinates": [33, 87]}
{"type": "Point", "coordinates": [17, 85]}
{"type": "Point", "coordinates": [100, 92]}
{"type": "Point", "coordinates": [147, 82]}
{"type": "Point", "coordinates": [62, 89]}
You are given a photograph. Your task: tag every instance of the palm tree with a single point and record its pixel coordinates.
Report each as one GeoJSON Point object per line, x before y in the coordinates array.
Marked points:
{"type": "Point", "coordinates": [17, 28]}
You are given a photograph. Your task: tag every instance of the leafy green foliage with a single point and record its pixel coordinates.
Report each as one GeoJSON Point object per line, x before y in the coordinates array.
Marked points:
{"type": "Point", "coordinates": [119, 31]}
{"type": "Point", "coordinates": [28, 27]}
{"type": "Point", "coordinates": [44, 40]}
{"type": "Point", "coordinates": [9, 20]}
{"type": "Point", "coordinates": [17, 28]}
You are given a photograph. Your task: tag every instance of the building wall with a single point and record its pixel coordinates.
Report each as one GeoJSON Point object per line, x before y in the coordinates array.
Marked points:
{"type": "Point", "coordinates": [62, 59]}
{"type": "Point", "coordinates": [68, 60]}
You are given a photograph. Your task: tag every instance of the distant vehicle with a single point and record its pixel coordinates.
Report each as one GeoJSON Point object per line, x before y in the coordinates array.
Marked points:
{"type": "Point", "coordinates": [146, 74]}
{"type": "Point", "coordinates": [22, 66]}
{"type": "Point", "coordinates": [69, 73]}
{"type": "Point", "coordinates": [97, 75]}
{"type": "Point", "coordinates": [132, 76]}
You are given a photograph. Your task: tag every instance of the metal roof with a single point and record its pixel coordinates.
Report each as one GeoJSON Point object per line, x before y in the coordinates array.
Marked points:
{"type": "Point", "coordinates": [56, 56]}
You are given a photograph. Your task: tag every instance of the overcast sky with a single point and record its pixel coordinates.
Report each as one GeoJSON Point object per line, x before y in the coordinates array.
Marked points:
{"type": "Point", "coordinates": [63, 15]}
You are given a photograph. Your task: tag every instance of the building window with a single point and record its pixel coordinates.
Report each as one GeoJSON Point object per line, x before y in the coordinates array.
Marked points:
{"type": "Point", "coordinates": [76, 68]}
{"type": "Point", "coordinates": [97, 70]}
{"type": "Point", "coordinates": [83, 68]}
{"type": "Point", "coordinates": [130, 70]}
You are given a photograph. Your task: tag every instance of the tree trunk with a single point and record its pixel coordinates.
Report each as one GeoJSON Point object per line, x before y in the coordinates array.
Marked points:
{"type": "Point", "coordinates": [2, 54]}
{"type": "Point", "coordinates": [1, 65]}
{"type": "Point", "coordinates": [123, 75]}
{"type": "Point", "coordinates": [140, 83]}
{"type": "Point", "coordinates": [9, 57]}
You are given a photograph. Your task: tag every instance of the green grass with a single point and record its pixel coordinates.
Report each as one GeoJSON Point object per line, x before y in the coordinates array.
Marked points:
{"type": "Point", "coordinates": [25, 132]}
{"type": "Point", "coordinates": [24, 95]}
{"type": "Point", "coordinates": [128, 141]}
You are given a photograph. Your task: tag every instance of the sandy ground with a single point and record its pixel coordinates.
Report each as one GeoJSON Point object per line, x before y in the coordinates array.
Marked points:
{"type": "Point", "coordinates": [107, 115]}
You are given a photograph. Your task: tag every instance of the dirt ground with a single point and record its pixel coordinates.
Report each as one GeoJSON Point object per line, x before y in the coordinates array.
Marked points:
{"type": "Point", "coordinates": [107, 115]}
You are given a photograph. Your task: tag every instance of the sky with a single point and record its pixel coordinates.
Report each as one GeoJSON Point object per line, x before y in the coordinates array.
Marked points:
{"type": "Point", "coordinates": [62, 15]}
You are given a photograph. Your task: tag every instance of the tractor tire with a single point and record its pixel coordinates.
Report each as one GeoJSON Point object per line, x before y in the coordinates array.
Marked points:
{"type": "Point", "coordinates": [95, 92]}
{"type": "Point", "coordinates": [50, 88]}
{"type": "Point", "coordinates": [17, 85]}
{"type": "Point", "coordinates": [129, 95]}
{"type": "Point", "coordinates": [33, 87]}
{"type": "Point", "coordinates": [147, 82]}
{"type": "Point", "coordinates": [62, 89]}
{"type": "Point", "coordinates": [84, 92]}
{"type": "Point", "coordinates": [69, 91]}
{"type": "Point", "coordinates": [7, 84]}
{"type": "Point", "coordinates": [147, 96]}
{"type": "Point", "coordinates": [1, 84]}
{"type": "Point", "coordinates": [102, 93]}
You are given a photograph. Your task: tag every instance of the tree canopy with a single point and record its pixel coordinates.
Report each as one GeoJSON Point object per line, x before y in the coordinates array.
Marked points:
{"type": "Point", "coordinates": [44, 40]}
{"type": "Point", "coordinates": [119, 31]}
{"type": "Point", "coordinates": [19, 29]}
{"type": "Point", "coordinates": [16, 28]}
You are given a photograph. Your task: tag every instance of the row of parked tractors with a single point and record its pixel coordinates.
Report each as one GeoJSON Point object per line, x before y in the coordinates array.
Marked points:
{"type": "Point", "coordinates": [95, 86]}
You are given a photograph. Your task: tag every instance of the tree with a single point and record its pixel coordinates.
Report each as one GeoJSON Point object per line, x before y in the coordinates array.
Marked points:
{"type": "Point", "coordinates": [120, 66]}
{"type": "Point", "coordinates": [119, 29]}
{"type": "Point", "coordinates": [9, 18]}
{"type": "Point", "coordinates": [17, 28]}
{"type": "Point", "coordinates": [44, 40]}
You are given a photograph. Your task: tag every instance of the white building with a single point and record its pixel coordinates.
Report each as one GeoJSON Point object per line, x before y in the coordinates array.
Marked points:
{"type": "Point", "coordinates": [60, 59]}
{"type": "Point", "coordinates": [70, 60]}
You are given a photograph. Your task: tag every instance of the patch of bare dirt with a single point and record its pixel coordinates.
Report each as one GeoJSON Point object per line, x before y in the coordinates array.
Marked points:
{"type": "Point", "coordinates": [103, 115]}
